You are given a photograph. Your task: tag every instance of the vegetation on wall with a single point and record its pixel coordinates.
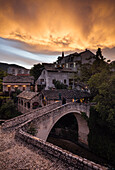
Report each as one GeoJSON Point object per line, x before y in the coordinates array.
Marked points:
{"type": "Point", "coordinates": [59, 85]}
{"type": "Point", "coordinates": [32, 129]}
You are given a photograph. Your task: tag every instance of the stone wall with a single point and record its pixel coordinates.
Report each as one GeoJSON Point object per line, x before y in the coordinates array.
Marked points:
{"type": "Point", "coordinates": [29, 116]}
{"type": "Point", "coordinates": [74, 160]}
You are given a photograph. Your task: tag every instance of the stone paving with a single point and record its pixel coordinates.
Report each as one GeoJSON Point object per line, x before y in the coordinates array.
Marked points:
{"type": "Point", "coordinates": [14, 155]}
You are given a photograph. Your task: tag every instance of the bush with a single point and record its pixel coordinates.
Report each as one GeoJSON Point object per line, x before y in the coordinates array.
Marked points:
{"type": "Point", "coordinates": [8, 110]}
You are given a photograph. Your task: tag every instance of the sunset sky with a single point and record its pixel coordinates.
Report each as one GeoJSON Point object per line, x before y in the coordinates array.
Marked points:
{"type": "Point", "coordinates": [33, 31]}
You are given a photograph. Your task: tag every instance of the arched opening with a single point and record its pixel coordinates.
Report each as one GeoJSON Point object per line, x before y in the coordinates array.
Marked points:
{"type": "Point", "coordinates": [65, 132]}
{"type": "Point", "coordinates": [35, 105]}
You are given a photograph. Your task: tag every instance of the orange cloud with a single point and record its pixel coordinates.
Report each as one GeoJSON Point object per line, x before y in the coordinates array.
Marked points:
{"type": "Point", "coordinates": [57, 25]}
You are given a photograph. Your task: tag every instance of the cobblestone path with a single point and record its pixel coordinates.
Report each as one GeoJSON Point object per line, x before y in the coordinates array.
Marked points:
{"type": "Point", "coordinates": [15, 156]}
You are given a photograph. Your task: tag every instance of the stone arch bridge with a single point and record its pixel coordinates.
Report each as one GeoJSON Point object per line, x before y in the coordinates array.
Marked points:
{"type": "Point", "coordinates": [45, 118]}
{"type": "Point", "coordinates": [44, 123]}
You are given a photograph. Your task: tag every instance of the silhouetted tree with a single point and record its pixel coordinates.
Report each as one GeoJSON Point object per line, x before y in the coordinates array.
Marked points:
{"type": "Point", "coordinates": [36, 70]}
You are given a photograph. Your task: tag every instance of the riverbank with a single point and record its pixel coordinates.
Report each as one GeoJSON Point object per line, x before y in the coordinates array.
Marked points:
{"type": "Point", "coordinates": [78, 150]}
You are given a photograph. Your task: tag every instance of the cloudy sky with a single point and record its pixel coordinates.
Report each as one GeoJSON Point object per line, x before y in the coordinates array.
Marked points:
{"type": "Point", "coordinates": [33, 31]}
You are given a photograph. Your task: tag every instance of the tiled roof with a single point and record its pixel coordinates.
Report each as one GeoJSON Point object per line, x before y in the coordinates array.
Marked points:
{"type": "Point", "coordinates": [75, 56]}
{"type": "Point", "coordinates": [27, 95]}
{"type": "Point", "coordinates": [68, 94]}
{"type": "Point", "coordinates": [18, 79]}
{"type": "Point", "coordinates": [60, 69]}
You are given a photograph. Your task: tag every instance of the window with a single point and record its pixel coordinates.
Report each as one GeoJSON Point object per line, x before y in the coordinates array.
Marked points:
{"type": "Point", "coordinates": [13, 71]}
{"type": "Point", "coordinates": [19, 72]}
{"type": "Point", "coordinates": [71, 59]}
{"type": "Point", "coordinates": [9, 89]}
{"type": "Point", "coordinates": [53, 81]}
{"type": "Point", "coordinates": [28, 104]}
{"type": "Point", "coordinates": [24, 88]}
{"type": "Point", "coordinates": [74, 65]}
{"type": "Point", "coordinates": [64, 81]}
{"type": "Point", "coordinates": [71, 65]}
{"type": "Point", "coordinates": [66, 65]}
{"type": "Point", "coordinates": [21, 102]}
{"type": "Point", "coordinates": [41, 80]}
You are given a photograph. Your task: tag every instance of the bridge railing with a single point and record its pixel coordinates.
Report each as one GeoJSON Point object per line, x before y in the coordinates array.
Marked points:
{"type": "Point", "coordinates": [30, 115]}
{"type": "Point", "coordinates": [72, 106]}
{"type": "Point", "coordinates": [44, 110]}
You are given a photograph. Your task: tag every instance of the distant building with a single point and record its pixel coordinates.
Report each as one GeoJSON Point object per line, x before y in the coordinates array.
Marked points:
{"type": "Point", "coordinates": [17, 70]}
{"type": "Point", "coordinates": [13, 83]}
{"type": "Point", "coordinates": [74, 60]}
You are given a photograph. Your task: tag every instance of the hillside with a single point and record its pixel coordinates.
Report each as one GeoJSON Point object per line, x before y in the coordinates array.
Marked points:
{"type": "Point", "coordinates": [4, 66]}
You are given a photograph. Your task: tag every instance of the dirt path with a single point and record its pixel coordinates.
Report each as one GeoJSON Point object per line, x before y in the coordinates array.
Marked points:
{"type": "Point", "coordinates": [14, 155]}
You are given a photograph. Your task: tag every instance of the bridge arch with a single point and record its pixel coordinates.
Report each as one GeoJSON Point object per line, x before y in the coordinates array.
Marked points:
{"type": "Point", "coordinates": [47, 121]}
{"type": "Point", "coordinates": [66, 128]}
{"type": "Point", "coordinates": [83, 129]}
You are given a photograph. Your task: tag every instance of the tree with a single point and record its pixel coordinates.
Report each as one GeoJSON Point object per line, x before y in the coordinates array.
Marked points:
{"type": "Point", "coordinates": [2, 74]}
{"type": "Point", "coordinates": [102, 88]}
{"type": "Point", "coordinates": [87, 70]}
{"type": "Point", "coordinates": [8, 110]}
{"type": "Point", "coordinates": [36, 70]}
{"type": "Point", "coordinates": [59, 85]}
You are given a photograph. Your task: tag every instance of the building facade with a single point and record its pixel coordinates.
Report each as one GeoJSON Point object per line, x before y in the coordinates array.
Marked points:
{"type": "Point", "coordinates": [49, 75]}
{"type": "Point", "coordinates": [28, 101]}
{"type": "Point", "coordinates": [17, 70]}
{"type": "Point", "coordinates": [56, 95]}
{"type": "Point", "coordinates": [74, 60]}
{"type": "Point", "coordinates": [13, 83]}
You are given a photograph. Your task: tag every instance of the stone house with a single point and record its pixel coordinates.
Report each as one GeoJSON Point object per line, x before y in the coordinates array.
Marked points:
{"type": "Point", "coordinates": [27, 101]}
{"type": "Point", "coordinates": [17, 70]}
{"type": "Point", "coordinates": [74, 60]}
{"type": "Point", "coordinates": [13, 83]}
{"type": "Point", "coordinates": [50, 73]}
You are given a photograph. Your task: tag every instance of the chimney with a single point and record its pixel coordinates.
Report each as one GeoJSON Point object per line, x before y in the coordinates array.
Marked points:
{"type": "Point", "coordinates": [62, 54]}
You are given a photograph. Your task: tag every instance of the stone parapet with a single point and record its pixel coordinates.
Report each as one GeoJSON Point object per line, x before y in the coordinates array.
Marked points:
{"type": "Point", "coordinates": [74, 160]}
{"type": "Point", "coordinates": [29, 116]}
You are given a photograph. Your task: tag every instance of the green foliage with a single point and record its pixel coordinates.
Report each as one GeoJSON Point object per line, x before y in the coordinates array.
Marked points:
{"type": "Point", "coordinates": [83, 114]}
{"type": "Point", "coordinates": [59, 85]}
{"type": "Point", "coordinates": [32, 130]}
{"type": "Point", "coordinates": [85, 72]}
{"type": "Point", "coordinates": [13, 95]}
{"type": "Point", "coordinates": [2, 74]}
{"type": "Point", "coordinates": [102, 87]}
{"type": "Point", "coordinates": [8, 110]}
{"type": "Point", "coordinates": [100, 77]}
{"type": "Point", "coordinates": [36, 70]}
{"type": "Point", "coordinates": [101, 138]}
